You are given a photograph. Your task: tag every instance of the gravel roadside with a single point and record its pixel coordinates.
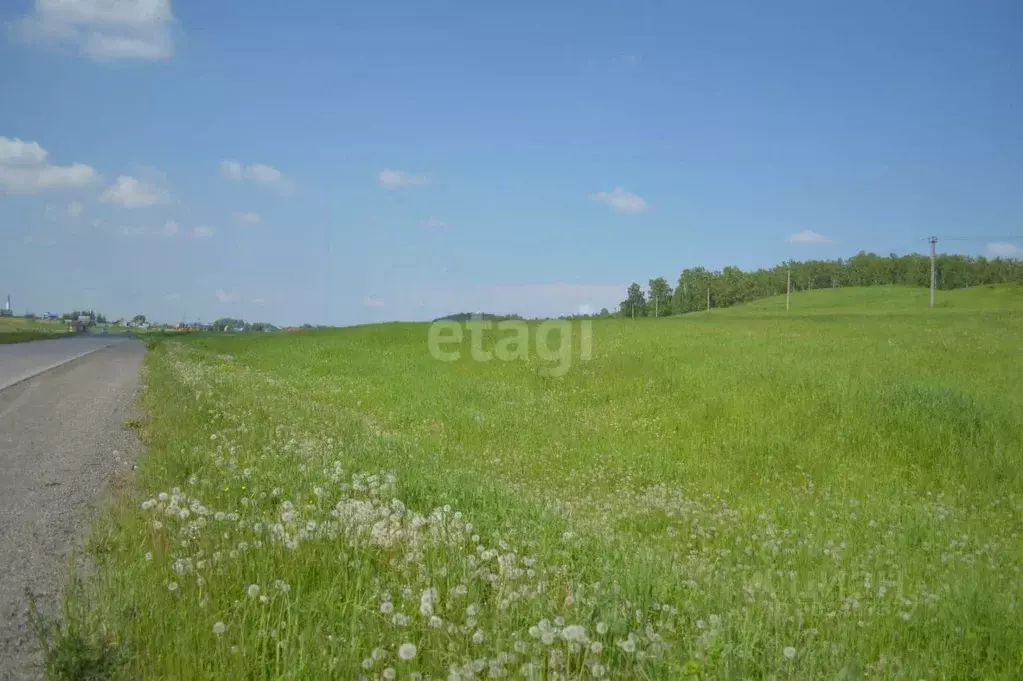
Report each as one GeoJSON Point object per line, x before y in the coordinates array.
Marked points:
{"type": "Point", "coordinates": [61, 438]}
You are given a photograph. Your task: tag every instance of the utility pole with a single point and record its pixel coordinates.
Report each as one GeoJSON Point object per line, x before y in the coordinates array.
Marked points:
{"type": "Point", "coordinates": [934, 241]}
{"type": "Point", "coordinates": [708, 299]}
{"type": "Point", "coordinates": [788, 289]}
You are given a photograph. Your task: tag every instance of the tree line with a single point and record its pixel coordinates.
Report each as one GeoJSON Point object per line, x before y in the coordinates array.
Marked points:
{"type": "Point", "coordinates": [699, 287]}
{"type": "Point", "coordinates": [97, 317]}
{"type": "Point", "coordinates": [230, 324]}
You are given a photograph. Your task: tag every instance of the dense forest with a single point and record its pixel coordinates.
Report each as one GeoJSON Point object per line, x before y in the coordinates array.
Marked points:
{"type": "Point", "coordinates": [731, 285]}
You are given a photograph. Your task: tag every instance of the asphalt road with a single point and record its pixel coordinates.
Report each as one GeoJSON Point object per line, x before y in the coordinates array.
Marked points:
{"type": "Point", "coordinates": [61, 439]}
{"type": "Point", "coordinates": [19, 361]}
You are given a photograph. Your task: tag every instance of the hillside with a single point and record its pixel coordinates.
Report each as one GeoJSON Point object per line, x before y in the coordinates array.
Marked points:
{"type": "Point", "coordinates": [20, 329]}
{"type": "Point", "coordinates": [883, 299]}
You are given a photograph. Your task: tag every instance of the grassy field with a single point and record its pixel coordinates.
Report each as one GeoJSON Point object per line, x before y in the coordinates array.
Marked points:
{"type": "Point", "coordinates": [832, 493]}
{"type": "Point", "coordinates": [20, 329]}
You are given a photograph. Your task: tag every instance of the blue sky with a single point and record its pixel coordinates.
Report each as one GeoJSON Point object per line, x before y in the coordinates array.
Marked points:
{"type": "Point", "coordinates": [341, 163]}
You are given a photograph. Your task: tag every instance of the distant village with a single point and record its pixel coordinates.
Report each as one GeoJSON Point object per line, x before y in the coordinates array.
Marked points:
{"type": "Point", "coordinates": [81, 320]}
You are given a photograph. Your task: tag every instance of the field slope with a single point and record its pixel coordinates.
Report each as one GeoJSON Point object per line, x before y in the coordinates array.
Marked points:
{"type": "Point", "coordinates": [20, 329]}
{"type": "Point", "coordinates": [835, 492]}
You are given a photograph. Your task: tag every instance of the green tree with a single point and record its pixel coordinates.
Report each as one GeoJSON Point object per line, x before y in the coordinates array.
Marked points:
{"type": "Point", "coordinates": [659, 300]}
{"type": "Point", "coordinates": [634, 304]}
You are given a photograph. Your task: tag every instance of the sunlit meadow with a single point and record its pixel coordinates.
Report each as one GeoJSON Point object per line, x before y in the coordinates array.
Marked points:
{"type": "Point", "coordinates": [832, 492]}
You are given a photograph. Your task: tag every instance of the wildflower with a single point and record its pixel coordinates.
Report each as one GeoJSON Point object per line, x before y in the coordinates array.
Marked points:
{"type": "Point", "coordinates": [219, 628]}
{"type": "Point", "coordinates": [407, 651]}
{"type": "Point", "coordinates": [172, 586]}
{"type": "Point", "coordinates": [597, 647]}
{"type": "Point", "coordinates": [478, 636]}
{"type": "Point", "coordinates": [367, 663]}
{"type": "Point", "coordinates": [388, 673]}
{"type": "Point", "coordinates": [601, 628]}
{"type": "Point", "coordinates": [628, 645]}
{"type": "Point", "coordinates": [436, 622]}
{"type": "Point", "coordinates": [789, 652]}
{"type": "Point", "coordinates": [149, 555]}
{"type": "Point", "coordinates": [253, 590]}
{"type": "Point", "coordinates": [573, 632]}
{"type": "Point", "coordinates": [387, 607]}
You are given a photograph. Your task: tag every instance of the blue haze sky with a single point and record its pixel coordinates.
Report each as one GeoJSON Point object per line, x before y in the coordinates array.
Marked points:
{"type": "Point", "coordinates": [339, 163]}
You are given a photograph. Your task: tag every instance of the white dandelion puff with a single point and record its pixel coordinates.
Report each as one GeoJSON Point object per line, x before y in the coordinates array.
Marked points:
{"type": "Point", "coordinates": [407, 651]}
{"type": "Point", "coordinates": [219, 628]}
{"type": "Point", "coordinates": [789, 652]}
{"type": "Point", "coordinates": [253, 590]}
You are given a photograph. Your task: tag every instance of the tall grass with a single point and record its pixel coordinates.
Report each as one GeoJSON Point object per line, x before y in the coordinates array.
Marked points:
{"type": "Point", "coordinates": [715, 496]}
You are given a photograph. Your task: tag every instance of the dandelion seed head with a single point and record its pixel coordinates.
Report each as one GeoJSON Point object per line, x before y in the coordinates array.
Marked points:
{"type": "Point", "coordinates": [407, 651]}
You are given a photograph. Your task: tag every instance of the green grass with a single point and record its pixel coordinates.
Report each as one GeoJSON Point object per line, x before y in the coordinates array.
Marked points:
{"type": "Point", "coordinates": [21, 330]}
{"type": "Point", "coordinates": [829, 493]}
{"type": "Point", "coordinates": [888, 299]}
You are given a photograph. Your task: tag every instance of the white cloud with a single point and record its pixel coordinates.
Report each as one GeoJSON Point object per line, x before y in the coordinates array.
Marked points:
{"type": "Point", "coordinates": [372, 302]}
{"type": "Point", "coordinates": [75, 209]}
{"type": "Point", "coordinates": [170, 228]}
{"type": "Point", "coordinates": [24, 170]}
{"type": "Point", "coordinates": [133, 193]}
{"type": "Point", "coordinates": [1003, 250]}
{"type": "Point", "coordinates": [248, 218]}
{"type": "Point", "coordinates": [31, 240]}
{"type": "Point", "coordinates": [103, 30]}
{"type": "Point", "coordinates": [257, 173]}
{"type": "Point", "coordinates": [622, 201]}
{"type": "Point", "coordinates": [232, 170]}
{"type": "Point", "coordinates": [203, 232]}
{"type": "Point", "coordinates": [394, 179]}
{"type": "Point", "coordinates": [808, 237]}
{"type": "Point", "coordinates": [15, 152]}
{"type": "Point", "coordinates": [436, 224]}
{"type": "Point", "coordinates": [226, 296]}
